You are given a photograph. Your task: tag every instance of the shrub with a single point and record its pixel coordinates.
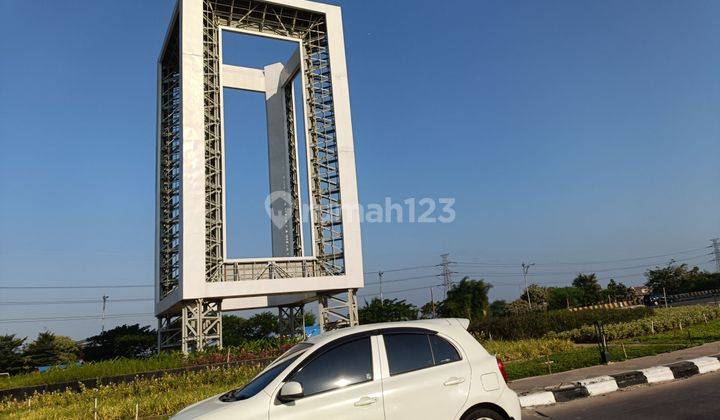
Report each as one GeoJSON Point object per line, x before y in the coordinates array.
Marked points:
{"type": "Point", "coordinates": [525, 349]}
{"type": "Point", "coordinates": [538, 324]}
{"type": "Point", "coordinates": [665, 319]}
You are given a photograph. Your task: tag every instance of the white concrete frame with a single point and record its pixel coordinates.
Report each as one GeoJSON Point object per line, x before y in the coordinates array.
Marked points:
{"type": "Point", "coordinates": [270, 292]}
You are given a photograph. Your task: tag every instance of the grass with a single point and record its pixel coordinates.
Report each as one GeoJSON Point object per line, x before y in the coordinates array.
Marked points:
{"type": "Point", "coordinates": [268, 348]}
{"type": "Point", "coordinates": [581, 357]}
{"type": "Point", "coordinates": [155, 397]}
{"type": "Point", "coordinates": [94, 370]}
{"type": "Point", "coordinates": [693, 335]}
{"type": "Point", "coordinates": [647, 345]}
{"type": "Point", "coordinates": [665, 319]}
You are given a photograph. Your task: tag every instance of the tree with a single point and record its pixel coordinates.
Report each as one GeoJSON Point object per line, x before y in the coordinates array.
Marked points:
{"type": "Point", "coordinates": [591, 291]}
{"type": "Point", "coordinates": [467, 299]}
{"type": "Point", "coordinates": [428, 310]}
{"type": "Point", "coordinates": [131, 341]}
{"type": "Point", "coordinates": [519, 307]}
{"type": "Point", "coordinates": [10, 357]}
{"type": "Point", "coordinates": [617, 292]}
{"type": "Point", "coordinates": [49, 349]}
{"type": "Point", "coordinates": [538, 295]}
{"type": "Point", "coordinates": [309, 318]}
{"type": "Point", "coordinates": [237, 330]}
{"type": "Point", "coordinates": [497, 308]}
{"type": "Point", "coordinates": [680, 279]}
{"type": "Point", "coordinates": [387, 310]}
{"type": "Point", "coordinates": [564, 297]}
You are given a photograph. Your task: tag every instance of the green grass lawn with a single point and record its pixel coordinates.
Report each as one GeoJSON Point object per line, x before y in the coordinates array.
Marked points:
{"type": "Point", "coordinates": [582, 357]}
{"type": "Point", "coordinates": [693, 335]}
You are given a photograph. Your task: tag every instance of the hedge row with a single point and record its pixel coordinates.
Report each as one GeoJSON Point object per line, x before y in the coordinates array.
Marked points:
{"type": "Point", "coordinates": [665, 319]}
{"type": "Point", "coordinates": [538, 324]}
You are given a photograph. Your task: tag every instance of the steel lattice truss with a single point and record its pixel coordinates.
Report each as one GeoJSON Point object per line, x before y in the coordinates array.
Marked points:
{"type": "Point", "coordinates": [310, 28]}
{"type": "Point", "coordinates": [294, 187]}
{"type": "Point", "coordinates": [169, 156]}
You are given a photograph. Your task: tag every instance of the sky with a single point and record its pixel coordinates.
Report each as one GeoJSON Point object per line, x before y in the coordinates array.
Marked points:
{"type": "Point", "coordinates": [577, 135]}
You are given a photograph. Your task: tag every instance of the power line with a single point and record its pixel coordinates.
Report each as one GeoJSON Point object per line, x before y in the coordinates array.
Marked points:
{"type": "Point", "coordinates": [603, 270]}
{"type": "Point", "coordinates": [417, 267]}
{"type": "Point", "coordinates": [75, 318]}
{"type": "Point", "coordinates": [401, 279]}
{"type": "Point", "coordinates": [686, 251]}
{"type": "Point", "coordinates": [72, 302]}
{"type": "Point", "coordinates": [96, 286]}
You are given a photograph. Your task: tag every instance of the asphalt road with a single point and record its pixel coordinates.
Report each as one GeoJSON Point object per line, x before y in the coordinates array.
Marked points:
{"type": "Point", "coordinates": [693, 398]}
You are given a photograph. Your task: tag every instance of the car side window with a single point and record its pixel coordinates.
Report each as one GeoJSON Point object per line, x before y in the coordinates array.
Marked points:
{"type": "Point", "coordinates": [443, 351]}
{"type": "Point", "coordinates": [347, 364]}
{"type": "Point", "coordinates": [407, 352]}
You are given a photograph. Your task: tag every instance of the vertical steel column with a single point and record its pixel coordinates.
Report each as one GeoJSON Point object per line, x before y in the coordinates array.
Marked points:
{"type": "Point", "coordinates": [169, 167]}
{"type": "Point", "coordinates": [291, 320]}
{"type": "Point", "coordinates": [201, 325]}
{"type": "Point", "coordinates": [213, 147]}
{"type": "Point", "coordinates": [336, 312]}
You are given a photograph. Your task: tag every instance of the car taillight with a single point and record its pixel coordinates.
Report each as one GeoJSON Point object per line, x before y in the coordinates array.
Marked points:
{"type": "Point", "coordinates": [501, 366]}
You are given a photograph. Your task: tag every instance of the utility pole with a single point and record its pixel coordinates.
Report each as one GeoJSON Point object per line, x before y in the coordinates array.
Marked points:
{"type": "Point", "coordinates": [380, 278]}
{"type": "Point", "coordinates": [446, 273]}
{"type": "Point", "coordinates": [525, 268]}
{"type": "Point", "coordinates": [716, 251]}
{"type": "Point", "coordinates": [665, 297]}
{"type": "Point", "coordinates": [104, 298]}
{"type": "Point", "coordinates": [432, 303]}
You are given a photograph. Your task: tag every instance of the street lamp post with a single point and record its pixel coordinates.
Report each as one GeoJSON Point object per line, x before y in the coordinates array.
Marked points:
{"type": "Point", "coordinates": [525, 268]}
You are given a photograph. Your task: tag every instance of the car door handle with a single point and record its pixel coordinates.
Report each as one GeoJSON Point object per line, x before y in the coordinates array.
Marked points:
{"type": "Point", "coordinates": [454, 381]}
{"type": "Point", "coordinates": [365, 401]}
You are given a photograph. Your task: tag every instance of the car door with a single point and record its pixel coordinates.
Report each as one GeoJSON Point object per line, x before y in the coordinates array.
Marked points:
{"type": "Point", "coordinates": [340, 381]}
{"type": "Point", "coordinates": [424, 376]}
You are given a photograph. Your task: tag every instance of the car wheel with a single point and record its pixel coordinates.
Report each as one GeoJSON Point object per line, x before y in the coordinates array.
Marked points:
{"type": "Point", "coordinates": [483, 414]}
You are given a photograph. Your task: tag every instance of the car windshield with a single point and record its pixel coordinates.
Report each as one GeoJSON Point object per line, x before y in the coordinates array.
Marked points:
{"type": "Point", "coordinates": [271, 372]}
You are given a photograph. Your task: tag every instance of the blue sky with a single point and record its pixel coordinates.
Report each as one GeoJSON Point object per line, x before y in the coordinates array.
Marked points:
{"type": "Point", "coordinates": [567, 131]}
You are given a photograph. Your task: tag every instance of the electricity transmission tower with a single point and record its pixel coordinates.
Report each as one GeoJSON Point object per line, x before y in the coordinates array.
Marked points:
{"type": "Point", "coordinates": [716, 251]}
{"type": "Point", "coordinates": [446, 273]}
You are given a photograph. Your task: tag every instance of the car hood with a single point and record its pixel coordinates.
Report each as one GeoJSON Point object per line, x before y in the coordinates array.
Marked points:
{"type": "Point", "coordinates": [250, 409]}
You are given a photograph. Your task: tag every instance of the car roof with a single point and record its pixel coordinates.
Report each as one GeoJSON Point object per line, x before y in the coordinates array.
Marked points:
{"type": "Point", "coordinates": [438, 324]}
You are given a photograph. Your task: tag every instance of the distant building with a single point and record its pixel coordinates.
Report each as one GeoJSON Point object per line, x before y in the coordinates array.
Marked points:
{"type": "Point", "coordinates": [640, 291]}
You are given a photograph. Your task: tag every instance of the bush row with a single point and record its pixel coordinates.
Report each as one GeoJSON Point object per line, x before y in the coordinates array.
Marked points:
{"type": "Point", "coordinates": [525, 349]}
{"type": "Point", "coordinates": [256, 349]}
{"type": "Point", "coordinates": [539, 323]}
{"type": "Point", "coordinates": [665, 319]}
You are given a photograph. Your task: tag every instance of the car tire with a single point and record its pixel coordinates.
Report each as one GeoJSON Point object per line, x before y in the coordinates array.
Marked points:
{"type": "Point", "coordinates": [482, 413]}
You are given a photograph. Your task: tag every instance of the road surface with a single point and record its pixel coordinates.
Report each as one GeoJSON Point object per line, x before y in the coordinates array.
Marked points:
{"type": "Point", "coordinates": [693, 398]}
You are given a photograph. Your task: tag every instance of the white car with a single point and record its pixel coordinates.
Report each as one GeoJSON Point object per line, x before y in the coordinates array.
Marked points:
{"type": "Point", "coordinates": [428, 369]}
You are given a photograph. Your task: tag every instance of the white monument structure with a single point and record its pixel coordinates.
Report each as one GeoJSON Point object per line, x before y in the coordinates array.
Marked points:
{"type": "Point", "coordinates": [195, 280]}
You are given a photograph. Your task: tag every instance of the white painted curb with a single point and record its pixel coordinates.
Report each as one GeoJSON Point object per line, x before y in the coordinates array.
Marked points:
{"type": "Point", "coordinates": [537, 398]}
{"type": "Point", "coordinates": [706, 364]}
{"type": "Point", "coordinates": [657, 374]}
{"type": "Point", "coordinates": [599, 385]}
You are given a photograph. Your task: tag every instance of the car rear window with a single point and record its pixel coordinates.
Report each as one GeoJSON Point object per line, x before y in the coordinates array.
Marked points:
{"type": "Point", "coordinates": [443, 351]}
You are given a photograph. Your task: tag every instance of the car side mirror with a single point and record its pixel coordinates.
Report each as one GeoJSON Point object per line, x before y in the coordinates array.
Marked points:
{"type": "Point", "coordinates": [290, 391]}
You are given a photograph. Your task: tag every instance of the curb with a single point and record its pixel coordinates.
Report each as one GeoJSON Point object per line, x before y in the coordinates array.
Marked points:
{"type": "Point", "coordinates": [601, 385]}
